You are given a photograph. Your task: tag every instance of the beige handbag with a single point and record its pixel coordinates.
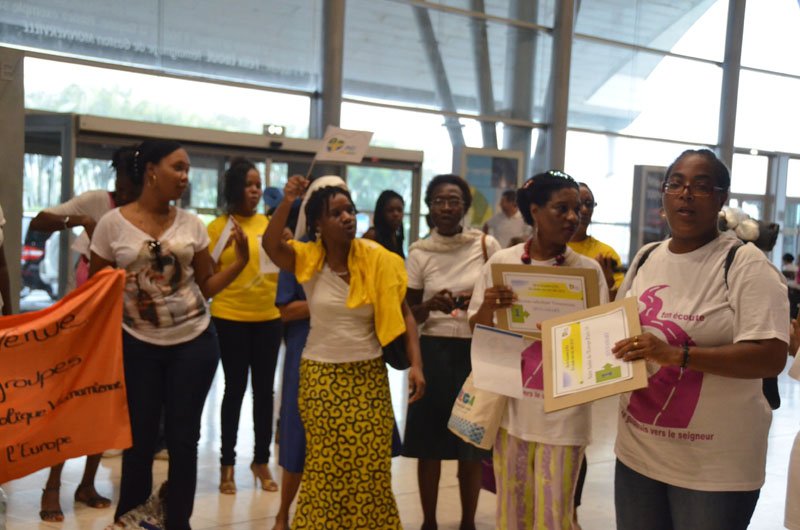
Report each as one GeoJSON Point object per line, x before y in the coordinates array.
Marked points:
{"type": "Point", "coordinates": [476, 415]}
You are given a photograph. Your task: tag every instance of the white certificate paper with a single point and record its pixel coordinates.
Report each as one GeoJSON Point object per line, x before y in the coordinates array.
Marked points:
{"type": "Point", "coordinates": [543, 293]}
{"type": "Point", "coordinates": [582, 355]}
{"type": "Point", "coordinates": [507, 363]}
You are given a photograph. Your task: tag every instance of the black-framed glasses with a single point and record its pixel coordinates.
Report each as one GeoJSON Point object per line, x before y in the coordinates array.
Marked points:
{"type": "Point", "coordinates": [452, 202]}
{"type": "Point", "coordinates": [696, 189]}
{"type": "Point", "coordinates": [155, 248]}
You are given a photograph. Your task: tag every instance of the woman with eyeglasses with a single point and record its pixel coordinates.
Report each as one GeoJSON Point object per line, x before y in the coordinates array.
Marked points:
{"type": "Point", "coordinates": [442, 270]}
{"type": "Point", "coordinates": [355, 292]}
{"type": "Point", "coordinates": [582, 243]}
{"type": "Point", "coordinates": [691, 447]}
{"type": "Point", "coordinates": [170, 348]}
{"type": "Point", "coordinates": [249, 328]}
{"type": "Point", "coordinates": [537, 455]}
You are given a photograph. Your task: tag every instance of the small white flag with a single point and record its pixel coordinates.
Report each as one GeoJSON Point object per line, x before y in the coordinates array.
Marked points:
{"type": "Point", "coordinates": [222, 242]}
{"type": "Point", "coordinates": [343, 145]}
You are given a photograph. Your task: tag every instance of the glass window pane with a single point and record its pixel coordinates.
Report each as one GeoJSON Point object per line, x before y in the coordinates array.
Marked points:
{"type": "Point", "coordinates": [695, 28]}
{"type": "Point", "coordinates": [749, 174]}
{"type": "Point", "coordinates": [544, 12]}
{"type": "Point", "coordinates": [752, 207]}
{"type": "Point", "coordinates": [771, 39]}
{"type": "Point", "coordinates": [793, 178]}
{"type": "Point", "coordinates": [63, 87]}
{"type": "Point", "coordinates": [93, 174]}
{"type": "Point", "coordinates": [40, 252]}
{"type": "Point", "coordinates": [385, 57]}
{"type": "Point", "coordinates": [607, 165]}
{"type": "Point", "coordinates": [275, 42]}
{"type": "Point", "coordinates": [644, 94]}
{"type": "Point", "coordinates": [367, 183]}
{"type": "Point", "coordinates": [203, 187]}
{"type": "Point", "coordinates": [767, 113]}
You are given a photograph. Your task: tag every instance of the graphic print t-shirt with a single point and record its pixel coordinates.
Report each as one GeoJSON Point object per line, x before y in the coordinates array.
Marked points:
{"type": "Point", "coordinates": [162, 303]}
{"type": "Point", "coordinates": [688, 428]}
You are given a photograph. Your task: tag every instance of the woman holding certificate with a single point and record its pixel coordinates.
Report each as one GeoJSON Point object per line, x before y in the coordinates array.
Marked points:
{"type": "Point", "coordinates": [537, 456]}
{"type": "Point", "coordinates": [691, 447]}
{"type": "Point", "coordinates": [442, 270]}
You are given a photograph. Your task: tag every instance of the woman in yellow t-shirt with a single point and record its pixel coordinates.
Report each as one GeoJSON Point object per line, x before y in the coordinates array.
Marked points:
{"type": "Point", "coordinates": [249, 328]}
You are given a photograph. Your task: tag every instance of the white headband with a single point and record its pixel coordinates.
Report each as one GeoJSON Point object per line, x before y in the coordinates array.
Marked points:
{"type": "Point", "coordinates": [318, 183]}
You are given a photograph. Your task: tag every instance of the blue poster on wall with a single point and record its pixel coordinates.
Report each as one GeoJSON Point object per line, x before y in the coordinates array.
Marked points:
{"type": "Point", "coordinates": [489, 172]}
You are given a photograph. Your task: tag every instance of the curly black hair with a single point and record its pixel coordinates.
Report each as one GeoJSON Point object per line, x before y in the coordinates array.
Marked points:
{"type": "Point", "coordinates": [539, 188]}
{"type": "Point", "coordinates": [317, 206]}
{"type": "Point", "coordinates": [438, 180]}
{"type": "Point", "coordinates": [235, 180]}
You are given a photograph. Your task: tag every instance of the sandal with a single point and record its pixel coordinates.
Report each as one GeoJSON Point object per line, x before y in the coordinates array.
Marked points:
{"type": "Point", "coordinates": [92, 499]}
{"type": "Point", "coordinates": [51, 516]}
{"type": "Point", "coordinates": [262, 475]}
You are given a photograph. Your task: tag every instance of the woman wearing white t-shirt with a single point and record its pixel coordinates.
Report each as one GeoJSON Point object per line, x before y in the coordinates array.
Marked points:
{"type": "Point", "coordinates": [170, 348]}
{"type": "Point", "coordinates": [442, 270]}
{"type": "Point", "coordinates": [691, 447]}
{"type": "Point", "coordinates": [537, 455]}
{"type": "Point", "coordinates": [355, 290]}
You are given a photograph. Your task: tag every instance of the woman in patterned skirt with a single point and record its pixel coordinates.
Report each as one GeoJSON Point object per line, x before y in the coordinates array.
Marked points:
{"type": "Point", "coordinates": [355, 290]}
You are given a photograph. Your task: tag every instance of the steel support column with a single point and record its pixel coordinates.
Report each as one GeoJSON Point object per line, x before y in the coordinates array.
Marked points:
{"type": "Point", "coordinates": [730, 80]}
{"type": "Point", "coordinates": [520, 58]}
{"type": "Point", "coordinates": [446, 99]}
{"type": "Point", "coordinates": [483, 75]}
{"type": "Point", "coordinates": [326, 105]}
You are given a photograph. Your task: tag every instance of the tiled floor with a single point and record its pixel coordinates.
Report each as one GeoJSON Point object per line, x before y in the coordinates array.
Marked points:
{"type": "Point", "coordinates": [255, 509]}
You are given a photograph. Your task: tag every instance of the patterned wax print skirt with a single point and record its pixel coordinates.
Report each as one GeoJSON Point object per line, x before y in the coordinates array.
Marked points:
{"type": "Point", "coordinates": [347, 414]}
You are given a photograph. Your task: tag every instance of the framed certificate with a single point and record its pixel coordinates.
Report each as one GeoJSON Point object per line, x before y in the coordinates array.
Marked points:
{"type": "Point", "coordinates": [543, 293]}
{"type": "Point", "coordinates": [577, 362]}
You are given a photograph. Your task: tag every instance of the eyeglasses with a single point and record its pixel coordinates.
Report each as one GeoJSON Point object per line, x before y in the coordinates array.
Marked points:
{"type": "Point", "coordinates": [696, 189]}
{"type": "Point", "coordinates": [155, 247]}
{"type": "Point", "coordinates": [452, 202]}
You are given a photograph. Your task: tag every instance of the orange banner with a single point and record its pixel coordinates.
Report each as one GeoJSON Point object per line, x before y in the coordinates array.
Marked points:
{"type": "Point", "coordinates": [62, 383]}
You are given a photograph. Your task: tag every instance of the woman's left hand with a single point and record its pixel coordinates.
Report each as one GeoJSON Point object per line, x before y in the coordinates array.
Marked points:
{"type": "Point", "coordinates": [416, 384]}
{"type": "Point", "coordinates": [648, 346]}
{"type": "Point", "coordinates": [240, 242]}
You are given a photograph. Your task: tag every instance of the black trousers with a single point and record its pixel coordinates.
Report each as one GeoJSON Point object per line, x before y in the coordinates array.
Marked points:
{"type": "Point", "coordinates": [176, 379]}
{"type": "Point", "coordinates": [248, 348]}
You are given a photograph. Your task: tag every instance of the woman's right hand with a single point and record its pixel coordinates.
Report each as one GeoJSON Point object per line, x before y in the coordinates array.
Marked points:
{"type": "Point", "coordinates": [416, 384]}
{"type": "Point", "coordinates": [295, 188]}
{"type": "Point", "coordinates": [498, 297]}
{"type": "Point", "coordinates": [441, 301]}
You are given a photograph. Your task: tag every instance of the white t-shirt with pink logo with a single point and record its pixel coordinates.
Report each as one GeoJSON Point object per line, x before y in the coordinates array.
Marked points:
{"type": "Point", "coordinates": [525, 418]}
{"type": "Point", "coordinates": [692, 429]}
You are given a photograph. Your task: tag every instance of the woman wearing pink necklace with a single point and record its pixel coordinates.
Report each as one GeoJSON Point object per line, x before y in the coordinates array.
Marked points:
{"type": "Point", "coordinates": [536, 455]}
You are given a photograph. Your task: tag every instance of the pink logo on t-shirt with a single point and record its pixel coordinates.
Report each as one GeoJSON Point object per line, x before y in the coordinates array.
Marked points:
{"type": "Point", "coordinates": [532, 377]}
{"type": "Point", "coordinates": [671, 396]}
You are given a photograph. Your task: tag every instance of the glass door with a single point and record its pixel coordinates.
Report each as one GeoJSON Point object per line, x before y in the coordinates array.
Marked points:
{"type": "Point", "coordinates": [47, 181]}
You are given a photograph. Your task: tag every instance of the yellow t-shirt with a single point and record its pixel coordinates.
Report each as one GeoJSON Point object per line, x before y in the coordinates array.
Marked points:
{"type": "Point", "coordinates": [251, 296]}
{"type": "Point", "coordinates": [591, 248]}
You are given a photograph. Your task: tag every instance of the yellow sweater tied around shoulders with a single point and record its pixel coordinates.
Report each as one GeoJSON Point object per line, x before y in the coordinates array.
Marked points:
{"type": "Point", "coordinates": [377, 277]}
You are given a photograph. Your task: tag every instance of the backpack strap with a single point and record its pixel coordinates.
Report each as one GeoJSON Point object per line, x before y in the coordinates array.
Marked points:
{"type": "Point", "coordinates": [729, 260]}
{"type": "Point", "coordinates": [643, 257]}
{"type": "Point", "coordinates": [483, 248]}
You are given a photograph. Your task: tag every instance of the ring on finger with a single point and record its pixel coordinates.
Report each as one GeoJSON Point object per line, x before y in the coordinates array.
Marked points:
{"type": "Point", "coordinates": [636, 342]}
{"type": "Point", "coordinates": [498, 301]}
